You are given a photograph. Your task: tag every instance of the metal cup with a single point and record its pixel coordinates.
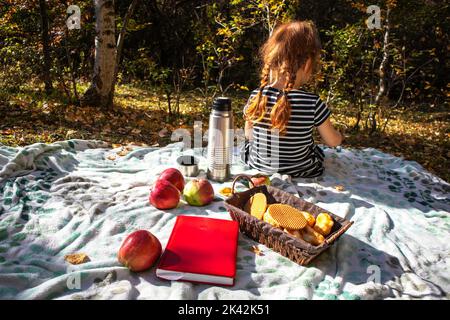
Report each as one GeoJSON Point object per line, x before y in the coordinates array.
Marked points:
{"type": "Point", "coordinates": [188, 165]}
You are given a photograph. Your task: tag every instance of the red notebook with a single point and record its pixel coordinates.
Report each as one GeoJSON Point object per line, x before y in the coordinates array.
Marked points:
{"type": "Point", "coordinates": [200, 250]}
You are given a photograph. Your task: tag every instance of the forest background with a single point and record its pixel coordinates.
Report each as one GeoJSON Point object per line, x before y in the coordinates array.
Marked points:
{"type": "Point", "coordinates": [158, 64]}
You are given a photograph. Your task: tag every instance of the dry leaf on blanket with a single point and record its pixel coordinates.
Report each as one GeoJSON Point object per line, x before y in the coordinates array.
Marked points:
{"type": "Point", "coordinates": [111, 157]}
{"type": "Point", "coordinates": [257, 251]}
{"type": "Point", "coordinates": [116, 145]}
{"type": "Point", "coordinates": [77, 258]}
{"type": "Point", "coordinates": [226, 191]}
{"type": "Point", "coordinates": [339, 188]}
{"type": "Point", "coordinates": [123, 152]}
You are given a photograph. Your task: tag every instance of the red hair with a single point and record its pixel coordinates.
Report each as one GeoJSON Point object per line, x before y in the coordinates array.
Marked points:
{"type": "Point", "coordinates": [287, 50]}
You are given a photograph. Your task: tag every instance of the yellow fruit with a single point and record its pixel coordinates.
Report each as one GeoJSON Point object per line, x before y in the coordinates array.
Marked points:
{"type": "Point", "coordinates": [324, 223]}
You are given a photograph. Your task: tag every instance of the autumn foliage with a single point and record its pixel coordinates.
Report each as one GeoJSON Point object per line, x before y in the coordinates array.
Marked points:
{"type": "Point", "coordinates": [387, 86]}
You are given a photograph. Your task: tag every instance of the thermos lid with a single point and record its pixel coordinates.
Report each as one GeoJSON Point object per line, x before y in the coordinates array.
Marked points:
{"type": "Point", "coordinates": [222, 104]}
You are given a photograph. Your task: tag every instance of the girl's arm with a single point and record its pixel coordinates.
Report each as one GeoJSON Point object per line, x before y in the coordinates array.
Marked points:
{"type": "Point", "coordinates": [330, 136]}
{"type": "Point", "coordinates": [248, 130]}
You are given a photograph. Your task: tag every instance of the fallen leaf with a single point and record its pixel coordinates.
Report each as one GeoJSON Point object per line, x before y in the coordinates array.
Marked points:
{"type": "Point", "coordinates": [77, 258]}
{"type": "Point", "coordinates": [226, 191]}
{"type": "Point", "coordinates": [339, 188]}
{"type": "Point", "coordinates": [116, 145]}
{"type": "Point", "coordinates": [7, 131]}
{"type": "Point", "coordinates": [257, 251]}
{"type": "Point", "coordinates": [122, 153]}
{"type": "Point", "coordinates": [107, 129]}
{"type": "Point", "coordinates": [111, 157]}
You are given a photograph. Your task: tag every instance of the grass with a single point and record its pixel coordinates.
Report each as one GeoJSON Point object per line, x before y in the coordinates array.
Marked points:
{"type": "Point", "coordinates": [140, 117]}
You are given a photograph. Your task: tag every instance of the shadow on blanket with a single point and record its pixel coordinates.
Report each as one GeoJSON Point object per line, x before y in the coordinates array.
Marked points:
{"type": "Point", "coordinates": [367, 264]}
{"type": "Point", "coordinates": [359, 262]}
{"type": "Point", "coordinates": [32, 190]}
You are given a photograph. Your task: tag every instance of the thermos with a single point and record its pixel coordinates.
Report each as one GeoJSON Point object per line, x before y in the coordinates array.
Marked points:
{"type": "Point", "coordinates": [220, 140]}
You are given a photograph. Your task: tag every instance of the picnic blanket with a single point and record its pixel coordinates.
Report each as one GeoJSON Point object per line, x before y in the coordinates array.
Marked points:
{"type": "Point", "coordinates": [81, 196]}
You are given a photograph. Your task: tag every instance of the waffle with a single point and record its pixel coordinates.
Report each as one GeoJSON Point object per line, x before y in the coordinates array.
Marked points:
{"type": "Point", "coordinates": [256, 205]}
{"type": "Point", "coordinates": [285, 216]}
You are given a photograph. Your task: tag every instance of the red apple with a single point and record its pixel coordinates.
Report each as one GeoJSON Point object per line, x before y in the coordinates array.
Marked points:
{"type": "Point", "coordinates": [174, 176]}
{"type": "Point", "coordinates": [139, 251]}
{"type": "Point", "coordinates": [198, 192]}
{"type": "Point", "coordinates": [164, 195]}
{"type": "Point", "coordinates": [260, 179]}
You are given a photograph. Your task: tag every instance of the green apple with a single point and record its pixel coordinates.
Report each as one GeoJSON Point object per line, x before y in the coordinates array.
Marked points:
{"type": "Point", "coordinates": [198, 192]}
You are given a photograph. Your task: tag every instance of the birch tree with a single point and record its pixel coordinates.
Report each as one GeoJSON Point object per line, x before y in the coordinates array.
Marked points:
{"type": "Point", "coordinates": [101, 90]}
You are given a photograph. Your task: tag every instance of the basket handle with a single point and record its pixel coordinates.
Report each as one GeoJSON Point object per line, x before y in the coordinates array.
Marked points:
{"type": "Point", "coordinates": [337, 234]}
{"type": "Point", "coordinates": [239, 176]}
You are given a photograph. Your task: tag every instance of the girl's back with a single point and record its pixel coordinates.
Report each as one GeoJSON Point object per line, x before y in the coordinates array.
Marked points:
{"type": "Point", "coordinates": [280, 117]}
{"type": "Point", "coordinates": [294, 152]}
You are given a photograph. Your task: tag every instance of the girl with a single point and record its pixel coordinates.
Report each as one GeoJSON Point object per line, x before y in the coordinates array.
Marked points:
{"type": "Point", "coordinates": [279, 116]}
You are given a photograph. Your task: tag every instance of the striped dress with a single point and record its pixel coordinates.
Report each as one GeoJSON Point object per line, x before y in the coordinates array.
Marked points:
{"type": "Point", "coordinates": [295, 152]}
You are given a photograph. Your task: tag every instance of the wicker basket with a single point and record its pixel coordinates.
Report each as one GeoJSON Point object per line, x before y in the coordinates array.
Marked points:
{"type": "Point", "coordinates": [293, 248]}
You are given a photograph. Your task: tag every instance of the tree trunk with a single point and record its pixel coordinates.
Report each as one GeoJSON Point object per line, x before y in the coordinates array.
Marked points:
{"type": "Point", "coordinates": [382, 72]}
{"type": "Point", "coordinates": [101, 90]}
{"type": "Point", "coordinates": [72, 68]}
{"type": "Point", "coordinates": [46, 47]}
{"type": "Point", "coordinates": [122, 33]}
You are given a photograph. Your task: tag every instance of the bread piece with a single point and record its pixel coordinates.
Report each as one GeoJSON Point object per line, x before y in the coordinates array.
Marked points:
{"type": "Point", "coordinates": [309, 218]}
{"type": "Point", "coordinates": [295, 233]}
{"type": "Point", "coordinates": [312, 236]}
{"type": "Point", "coordinates": [270, 220]}
{"type": "Point", "coordinates": [256, 205]}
